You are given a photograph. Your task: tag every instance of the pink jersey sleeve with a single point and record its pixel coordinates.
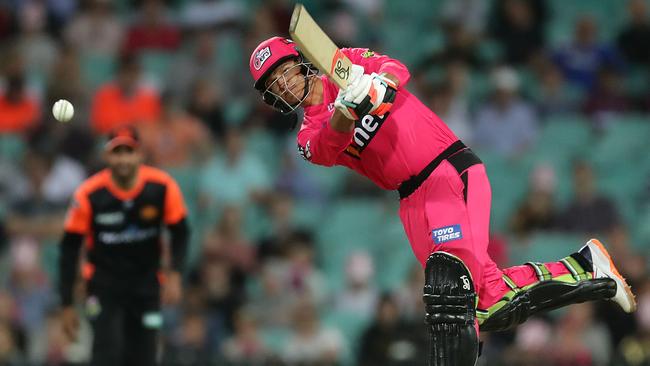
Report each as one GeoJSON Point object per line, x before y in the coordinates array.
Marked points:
{"type": "Point", "coordinates": [319, 143]}
{"type": "Point", "coordinates": [374, 62]}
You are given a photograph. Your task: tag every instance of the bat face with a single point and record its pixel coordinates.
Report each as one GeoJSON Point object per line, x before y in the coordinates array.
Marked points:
{"type": "Point", "coordinates": [318, 47]}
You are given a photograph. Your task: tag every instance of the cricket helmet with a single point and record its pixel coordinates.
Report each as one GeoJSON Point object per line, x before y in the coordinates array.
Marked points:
{"type": "Point", "coordinates": [265, 58]}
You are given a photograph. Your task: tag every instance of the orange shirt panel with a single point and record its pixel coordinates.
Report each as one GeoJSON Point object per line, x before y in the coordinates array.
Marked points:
{"type": "Point", "coordinates": [79, 216]}
{"type": "Point", "coordinates": [175, 209]}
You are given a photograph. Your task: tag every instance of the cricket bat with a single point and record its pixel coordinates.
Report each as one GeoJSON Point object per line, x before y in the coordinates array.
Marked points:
{"type": "Point", "coordinates": [318, 47]}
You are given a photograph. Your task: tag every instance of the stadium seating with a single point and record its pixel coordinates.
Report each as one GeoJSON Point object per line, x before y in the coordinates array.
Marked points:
{"type": "Point", "coordinates": [545, 247]}
{"type": "Point", "coordinates": [96, 70]}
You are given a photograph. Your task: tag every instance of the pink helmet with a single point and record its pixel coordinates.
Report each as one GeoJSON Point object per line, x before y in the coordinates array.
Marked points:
{"type": "Point", "coordinates": [268, 55]}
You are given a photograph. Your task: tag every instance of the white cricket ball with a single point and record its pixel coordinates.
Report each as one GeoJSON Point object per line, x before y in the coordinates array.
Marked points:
{"type": "Point", "coordinates": [63, 110]}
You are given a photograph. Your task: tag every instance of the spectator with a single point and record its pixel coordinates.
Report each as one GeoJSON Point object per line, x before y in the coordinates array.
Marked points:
{"type": "Point", "coordinates": [453, 111]}
{"type": "Point", "coordinates": [310, 343]}
{"type": "Point", "coordinates": [9, 352]}
{"type": "Point", "coordinates": [51, 177]}
{"type": "Point", "coordinates": [519, 26]}
{"type": "Point", "coordinates": [580, 339]}
{"type": "Point", "coordinates": [537, 210]}
{"type": "Point", "coordinates": [125, 101]}
{"type": "Point", "coordinates": [304, 279]}
{"type": "Point", "coordinates": [531, 344]}
{"type": "Point", "coordinates": [635, 36]}
{"type": "Point", "coordinates": [13, 187]}
{"type": "Point", "coordinates": [608, 98]}
{"type": "Point", "coordinates": [280, 11]}
{"type": "Point", "coordinates": [9, 317]}
{"type": "Point", "coordinates": [245, 345]}
{"type": "Point", "coordinates": [409, 295]}
{"type": "Point", "coordinates": [553, 96]}
{"type": "Point", "coordinates": [459, 44]}
{"type": "Point", "coordinates": [48, 183]}
{"type": "Point", "coordinates": [205, 104]}
{"type": "Point", "coordinates": [35, 45]}
{"type": "Point", "coordinates": [178, 140]}
{"type": "Point", "coordinates": [29, 286]}
{"type": "Point", "coordinates": [633, 349]}
{"type": "Point", "coordinates": [191, 345]}
{"type": "Point", "coordinates": [343, 26]}
{"type": "Point", "coordinates": [581, 60]}
{"type": "Point", "coordinates": [499, 249]}
{"type": "Point", "coordinates": [283, 229]}
{"type": "Point", "coordinates": [6, 21]}
{"type": "Point", "coordinates": [391, 341]}
{"type": "Point", "coordinates": [271, 304]}
{"type": "Point", "coordinates": [635, 269]}
{"type": "Point", "coordinates": [228, 242]}
{"type": "Point", "coordinates": [360, 295]}
{"type": "Point", "coordinates": [470, 14]}
{"type": "Point", "coordinates": [588, 212]}
{"type": "Point", "coordinates": [449, 99]}
{"type": "Point", "coordinates": [294, 178]}
{"type": "Point", "coordinates": [19, 109]}
{"type": "Point", "coordinates": [51, 346]}
{"type": "Point", "coordinates": [66, 83]}
{"type": "Point", "coordinates": [634, 266]}
{"type": "Point", "coordinates": [75, 139]}
{"type": "Point", "coordinates": [95, 30]}
{"type": "Point", "coordinates": [222, 293]}
{"type": "Point", "coordinates": [214, 14]}
{"type": "Point", "coordinates": [200, 62]}
{"type": "Point", "coordinates": [506, 124]}
{"type": "Point", "coordinates": [242, 177]}
{"type": "Point", "coordinates": [151, 30]}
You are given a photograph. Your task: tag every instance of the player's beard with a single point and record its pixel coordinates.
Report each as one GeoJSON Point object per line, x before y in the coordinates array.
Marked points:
{"type": "Point", "coordinates": [286, 97]}
{"type": "Point", "coordinates": [124, 174]}
{"type": "Point", "coordinates": [299, 94]}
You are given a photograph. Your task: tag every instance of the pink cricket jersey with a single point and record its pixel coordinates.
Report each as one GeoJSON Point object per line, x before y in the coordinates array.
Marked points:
{"type": "Point", "coordinates": [387, 150]}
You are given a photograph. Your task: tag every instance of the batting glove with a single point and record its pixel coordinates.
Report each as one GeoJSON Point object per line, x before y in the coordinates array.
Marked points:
{"type": "Point", "coordinates": [368, 94]}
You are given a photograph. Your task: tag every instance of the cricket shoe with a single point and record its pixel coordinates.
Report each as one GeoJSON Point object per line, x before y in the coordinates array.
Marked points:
{"type": "Point", "coordinates": [594, 251]}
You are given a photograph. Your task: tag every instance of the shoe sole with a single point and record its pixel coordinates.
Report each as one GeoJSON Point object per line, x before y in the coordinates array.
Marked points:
{"type": "Point", "coordinates": [613, 273]}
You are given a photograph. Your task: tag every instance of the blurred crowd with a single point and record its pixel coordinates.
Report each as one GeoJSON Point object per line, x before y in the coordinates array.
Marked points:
{"type": "Point", "coordinates": [258, 290]}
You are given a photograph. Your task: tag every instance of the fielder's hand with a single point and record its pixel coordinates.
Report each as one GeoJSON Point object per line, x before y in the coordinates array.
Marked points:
{"type": "Point", "coordinates": [172, 290]}
{"type": "Point", "coordinates": [367, 94]}
{"type": "Point", "coordinates": [70, 322]}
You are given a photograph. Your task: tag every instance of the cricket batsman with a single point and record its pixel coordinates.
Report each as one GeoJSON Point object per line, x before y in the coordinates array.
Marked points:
{"type": "Point", "coordinates": [380, 130]}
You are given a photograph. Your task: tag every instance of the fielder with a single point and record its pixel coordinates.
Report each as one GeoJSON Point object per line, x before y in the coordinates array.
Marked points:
{"type": "Point", "coordinates": [380, 130]}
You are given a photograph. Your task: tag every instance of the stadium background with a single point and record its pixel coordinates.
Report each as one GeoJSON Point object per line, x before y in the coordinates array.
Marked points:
{"type": "Point", "coordinates": [295, 263]}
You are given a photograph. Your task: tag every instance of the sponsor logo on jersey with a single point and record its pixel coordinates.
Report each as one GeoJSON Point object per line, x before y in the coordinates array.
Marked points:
{"type": "Point", "coordinates": [305, 151]}
{"type": "Point", "coordinates": [131, 235]}
{"type": "Point", "coordinates": [365, 130]}
{"type": "Point", "coordinates": [367, 54]}
{"type": "Point", "coordinates": [148, 212]}
{"type": "Point", "coordinates": [261, 57]}
{"type": "Point", "coordinates": [447, 233]}
{"type": "Point", "coordinates": [110, 218]}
